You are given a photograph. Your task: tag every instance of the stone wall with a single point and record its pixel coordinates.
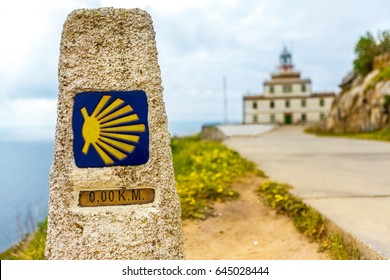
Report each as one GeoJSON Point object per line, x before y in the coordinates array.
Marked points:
{"type": "Point", "coordinates": [212, 133]}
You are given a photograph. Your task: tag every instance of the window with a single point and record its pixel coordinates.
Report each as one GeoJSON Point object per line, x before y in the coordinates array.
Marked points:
{"type": "Point", "coordinates": [322, 116]}
{"type": "Point", "coordinates": [272, 118]}
{"type": "Point", "coordinates": [287, 88]}
{"type": "Point", "coordinates": [271, 89]}
{"type": "Point", "coordinates": [255, 120]}
{"type": "Point", "coordinates": [272, 104]}
{"type": "Point", "coordinates": [287, 103]}
{"type": "Point", "coordinates": [254, 105]}
{"type": "Point", "coordinates": [303, 102]}
{"type": "Point", "coordinates": [303, 117]}
{"type": "Point", "coordinates": [303, 88]}
{"type": "Point", "coordinates": [322, 102]}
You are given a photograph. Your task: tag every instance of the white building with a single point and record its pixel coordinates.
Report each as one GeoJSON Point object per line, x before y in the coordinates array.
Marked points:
{"type": "Point", "coordinates": [287, 98]}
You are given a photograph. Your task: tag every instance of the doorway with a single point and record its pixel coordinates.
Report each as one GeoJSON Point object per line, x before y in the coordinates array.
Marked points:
{"type": "Point", "coordinates": [288, 119]}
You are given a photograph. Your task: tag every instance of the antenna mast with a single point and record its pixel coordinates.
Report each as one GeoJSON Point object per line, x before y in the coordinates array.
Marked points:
{"type": "Point", "coordinates": [225, 100]}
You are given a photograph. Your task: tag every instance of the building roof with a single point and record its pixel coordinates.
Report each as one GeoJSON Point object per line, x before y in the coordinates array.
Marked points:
{"type": "Point", "coordinates": [348, 79]}
{"type": "Point", "coordinates": [287, 81]}
{"type": "Point", "coordinates": [323, 94]}
{"type": "Point", "coordinates": [313, 95]}
{"type": "Point", "coordinates": [286, 74]}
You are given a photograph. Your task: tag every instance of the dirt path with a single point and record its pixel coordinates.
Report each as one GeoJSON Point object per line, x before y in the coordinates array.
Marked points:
{"type": "Point", "coordinates": [343, 179]}
{"type": "Point", "coordinates": [247, 229]}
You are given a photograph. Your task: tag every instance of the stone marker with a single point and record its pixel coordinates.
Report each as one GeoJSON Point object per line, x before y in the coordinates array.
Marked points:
{"type": "Point", "coordinates": [112, 186]}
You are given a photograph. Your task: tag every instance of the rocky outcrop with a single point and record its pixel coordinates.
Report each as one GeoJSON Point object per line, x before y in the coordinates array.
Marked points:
{"type": "Point", "coordinates": [362, 104]}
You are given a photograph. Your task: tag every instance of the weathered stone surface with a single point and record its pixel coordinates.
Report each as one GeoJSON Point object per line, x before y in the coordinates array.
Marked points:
{"type": "Point", "coordinates": [360, 106]}
{"type": "Point", "coordinates": [104, 50]}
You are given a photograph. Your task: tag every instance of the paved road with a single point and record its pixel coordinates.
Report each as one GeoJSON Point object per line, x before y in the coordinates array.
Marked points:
{"type": "Point", "coordinates": [346, 180]}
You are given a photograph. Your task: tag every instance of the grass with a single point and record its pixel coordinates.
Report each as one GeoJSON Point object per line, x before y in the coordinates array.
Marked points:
{"type": "Point", "coordinates": [383, 75]}
{"type": "Point", "coordinates": [205, 172]}
{"type": "Point", "coordinates": [381, 135]}
{"type": "Point", "coordinates": [307, 220]}
{"type": "Point", "coordinates": [31, 248]}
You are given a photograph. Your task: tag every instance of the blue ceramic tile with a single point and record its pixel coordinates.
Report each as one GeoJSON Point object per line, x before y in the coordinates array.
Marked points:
{"type": "Point", "coordinates": [110, 128]}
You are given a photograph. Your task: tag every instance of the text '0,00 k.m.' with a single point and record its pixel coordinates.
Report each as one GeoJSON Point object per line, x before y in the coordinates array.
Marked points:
{"type": "Point", "coordinates": [115, 197]}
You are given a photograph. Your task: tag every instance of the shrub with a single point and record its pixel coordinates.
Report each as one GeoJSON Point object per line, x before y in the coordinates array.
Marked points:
{"type": "Point", "coordinates": [367, 48]}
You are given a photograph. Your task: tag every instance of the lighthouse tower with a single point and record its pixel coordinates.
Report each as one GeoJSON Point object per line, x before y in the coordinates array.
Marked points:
{"type": "Point", "coordinates": [285, 60]}
{"type": "Point", "coordinates": [287, 98]}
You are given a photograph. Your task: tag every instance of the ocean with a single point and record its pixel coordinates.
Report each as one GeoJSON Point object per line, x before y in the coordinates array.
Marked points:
{"type": "Point", "coordinates": [24, 182]}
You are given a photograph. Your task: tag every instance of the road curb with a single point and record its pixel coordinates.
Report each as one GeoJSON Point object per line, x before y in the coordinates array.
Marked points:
{"type": "Point", "coordinates": [367, 253]}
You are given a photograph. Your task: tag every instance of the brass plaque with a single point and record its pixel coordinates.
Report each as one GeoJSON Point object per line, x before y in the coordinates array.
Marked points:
{"type": "Point", "coordinates": [115, 197]}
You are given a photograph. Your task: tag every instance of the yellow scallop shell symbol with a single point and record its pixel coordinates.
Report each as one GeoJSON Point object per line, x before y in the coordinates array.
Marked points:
{"type": "Point", "coordinates": [108, 130]}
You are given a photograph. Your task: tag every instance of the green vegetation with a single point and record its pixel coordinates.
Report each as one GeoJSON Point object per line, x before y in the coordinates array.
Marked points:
{"type": "Point", "coordinates": [381, 135]}
{"type": "Point", "coordinates": [386, 103]}
{"type": "Point", "coordinates": [204, 173]}
{"type": "Point", "coordinates": [31, 248]}
{"type": "Point", "coordinates": [306, 219]}
{"type": "Point", "coordinates": [367, 48]}
{"type": "Point", "coordinates": [383, 75]}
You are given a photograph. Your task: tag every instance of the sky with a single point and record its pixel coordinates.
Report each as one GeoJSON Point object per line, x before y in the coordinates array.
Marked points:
{"type": "Point", "coordinates": [199, 42]}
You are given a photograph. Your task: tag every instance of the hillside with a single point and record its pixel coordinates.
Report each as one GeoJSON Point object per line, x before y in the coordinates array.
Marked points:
{"type": "Point", "coordinates": [363, 104]}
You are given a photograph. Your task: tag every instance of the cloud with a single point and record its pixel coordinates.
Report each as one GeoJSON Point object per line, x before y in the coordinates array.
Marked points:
{"type": "Point", "coordinates": [243, 42]}
{"type": "Point", "coordinates": [29, 50]}
{"type": "Point", "coordinates": [28, 119]}
{"type": "Point", "coordinates": [29, 53]}
{"type": "Point", "coordinates": [199, 42]}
